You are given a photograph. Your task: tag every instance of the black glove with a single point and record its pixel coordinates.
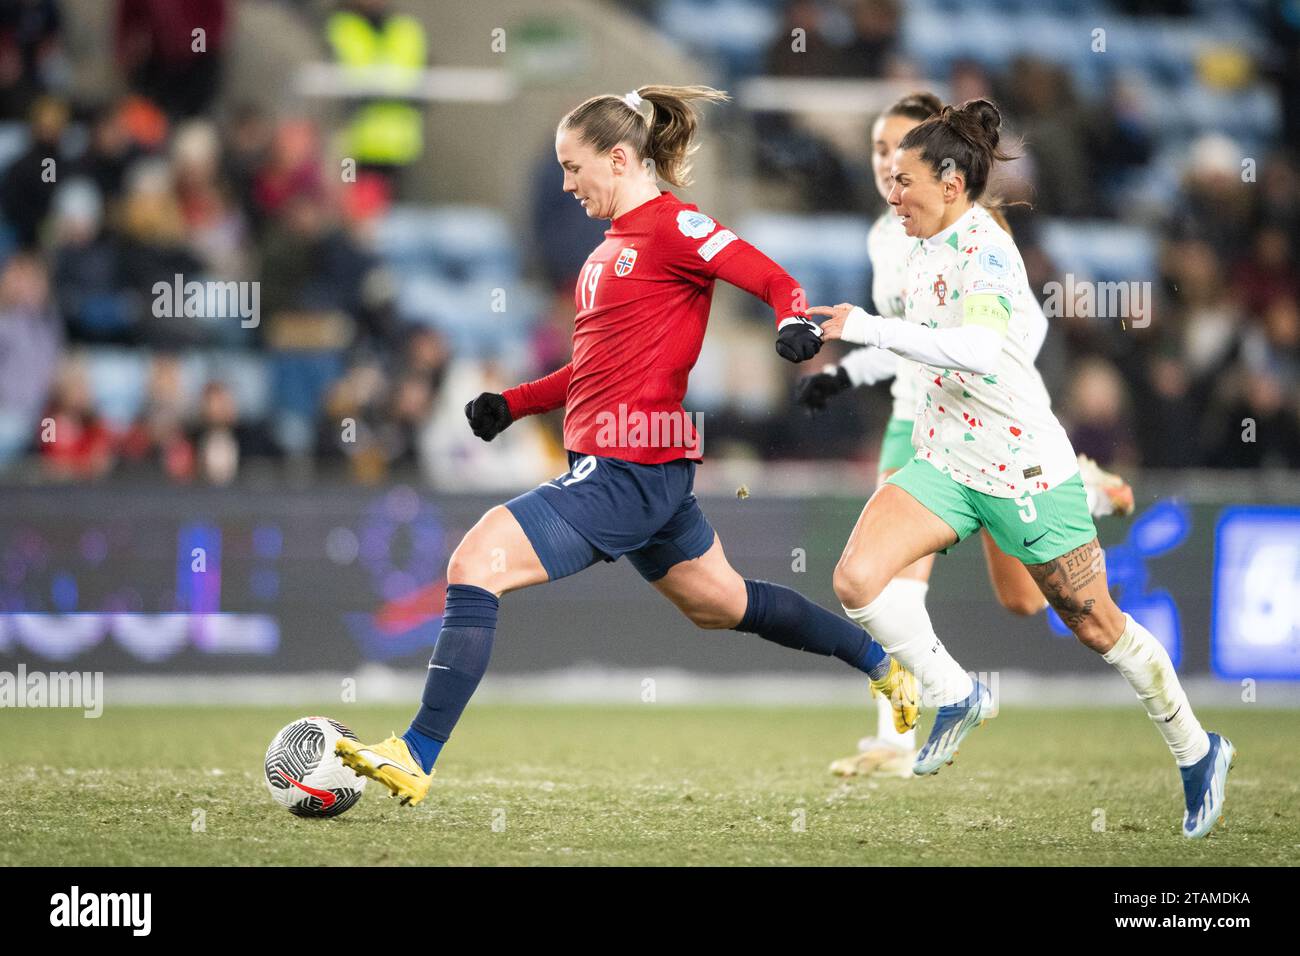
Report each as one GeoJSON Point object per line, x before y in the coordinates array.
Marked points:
{"type": "Point", "coordinates": [814, 391]}
{"type": "Point", "coordinates": [488, 415]}
{"type": "Point", "coordinates": [799, 340]}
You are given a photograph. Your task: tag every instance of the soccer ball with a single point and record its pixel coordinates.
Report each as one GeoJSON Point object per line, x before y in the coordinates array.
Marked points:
{"type": "Point", "coordinates": [303, 774]}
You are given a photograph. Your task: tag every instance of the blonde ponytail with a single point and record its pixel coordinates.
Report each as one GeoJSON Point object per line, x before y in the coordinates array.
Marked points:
{"type": "Point", "coordinates": [659, 122]}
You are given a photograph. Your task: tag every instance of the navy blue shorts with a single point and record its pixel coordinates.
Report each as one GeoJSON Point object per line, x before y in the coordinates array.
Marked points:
{"type": "Point", "coordinates": [604, 508]}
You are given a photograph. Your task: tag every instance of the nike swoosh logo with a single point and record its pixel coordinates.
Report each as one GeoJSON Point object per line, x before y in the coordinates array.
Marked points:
{"type": "Point", "coordinates": [379, 762]}
{"type": "Point", "coordinates": [1029, 544]}
{"type": "Point", "coordinates": [438, 667]}
{"type": "Point", "coordinates": [1174, 714]}
{"type": "Point", "coordinates": [327, 799]}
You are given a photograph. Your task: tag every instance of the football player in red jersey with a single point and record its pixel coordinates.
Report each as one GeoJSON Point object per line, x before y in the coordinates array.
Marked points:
{"type": "Point", "coordinates": [642, 305]}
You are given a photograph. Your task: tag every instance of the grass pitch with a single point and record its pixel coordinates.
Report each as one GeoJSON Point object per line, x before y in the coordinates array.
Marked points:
{"type": "Point", "coordinates": [641, 785]}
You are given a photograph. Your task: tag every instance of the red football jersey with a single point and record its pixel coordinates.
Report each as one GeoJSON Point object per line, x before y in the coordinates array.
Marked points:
{"type": "Point", "coordinates": [642, 307]}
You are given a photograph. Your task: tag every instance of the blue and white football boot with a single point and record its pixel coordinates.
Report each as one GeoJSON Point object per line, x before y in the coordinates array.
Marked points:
{"type": "Point", "coordinates": [1203, 787]}
{"type": "Point", "coordinates": [952, 722]}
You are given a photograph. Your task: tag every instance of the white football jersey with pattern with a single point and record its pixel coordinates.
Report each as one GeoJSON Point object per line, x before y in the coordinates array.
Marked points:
{"type": "Point", "coordinates": [995, 433]}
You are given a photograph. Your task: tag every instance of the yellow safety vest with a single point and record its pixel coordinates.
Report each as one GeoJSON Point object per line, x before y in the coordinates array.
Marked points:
{"type": "Point", "coordinates": [382, 131]}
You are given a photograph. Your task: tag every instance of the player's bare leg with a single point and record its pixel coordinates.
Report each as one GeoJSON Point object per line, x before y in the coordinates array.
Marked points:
{"type": "Point", "coordinates": [921, 568]}
{"type": "Point", "coordinates": [707, 589]}
{"type": "Point", "coordinates": [887, 751]}
{"type": "Point", "coordinates": [918, 570]}
{"type": "Point", "coordinates": [1015, 587]}
{"type": "Point", "coordinates": [710, 592]}
{"type": "Point", "coordinates": [496, 555]}
{"type": "Point", "coordinates": [494, 558]}
{"type": "Point", "coordinates": [893, 531]}
{"type": "Point", "coordinates": [1075, 585]}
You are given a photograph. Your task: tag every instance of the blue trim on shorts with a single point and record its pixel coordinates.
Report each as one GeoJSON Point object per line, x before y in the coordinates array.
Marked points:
{"type": "Point", "coordinates": [559, 547]}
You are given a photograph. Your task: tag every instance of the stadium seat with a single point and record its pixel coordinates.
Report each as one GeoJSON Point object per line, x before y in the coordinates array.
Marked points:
{"type": "Point", "coordinates": [738, 32]}
{"type": "Point", "coordinates": [16, 433]}
{"type": "Point", "coordinates": [1251, 113]}
{"type": "Point", "coordinates": [8, 242]}
{"type": "Point", "coordinates": [248, 376]}
{"type": "Point", "coordinates": [1100, 250]}
{"type": "Point", "coordinates": [119, 380]}
{"type": "Point", "coordinates": [826, 253]}
{"type": "Point", "coordinates": [460, 243]}
{"type": "Point", "coordinates": [464, 312]}
{"type": "Point", "coordinates": [246, 373]}
{"type": "Point", "coordinates": [103, 316]}
{"type": "Point", "coordinates": [14, 140]}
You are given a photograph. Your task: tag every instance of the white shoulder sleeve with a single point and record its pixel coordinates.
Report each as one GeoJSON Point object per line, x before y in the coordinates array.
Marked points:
{"type": "Point", "coordinates": [966, 348]}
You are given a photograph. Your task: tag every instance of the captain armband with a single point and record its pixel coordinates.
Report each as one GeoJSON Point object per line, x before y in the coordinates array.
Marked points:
{"type": "Point", "coordinates": [989, 310]}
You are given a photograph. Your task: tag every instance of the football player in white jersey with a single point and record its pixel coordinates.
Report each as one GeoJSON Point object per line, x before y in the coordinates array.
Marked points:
{"type": "Point", "coordinates": [989, 454]}
{"type": "Point", "coordinates": [889, 751]}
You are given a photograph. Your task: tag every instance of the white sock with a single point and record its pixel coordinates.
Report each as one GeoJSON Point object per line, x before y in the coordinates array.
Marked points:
{"type": "Point", "coordinates": [885, 726]}
{"type": "Point", "coordinates": [899, 622]}
{"type": "Point", "coordinates": [1145, 664]}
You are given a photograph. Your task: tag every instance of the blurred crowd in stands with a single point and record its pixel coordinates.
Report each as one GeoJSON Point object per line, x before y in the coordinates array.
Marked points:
{"type": "Point", "coordinates": [1214, 379]}
{"type": "Point", "coordinates": [109, 198]}
{"type": "Point", "coordinates": [154, 181]}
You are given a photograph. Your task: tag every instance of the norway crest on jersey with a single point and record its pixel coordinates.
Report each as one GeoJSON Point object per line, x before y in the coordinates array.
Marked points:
{"type": "Point", "coordinates": [626, 260]}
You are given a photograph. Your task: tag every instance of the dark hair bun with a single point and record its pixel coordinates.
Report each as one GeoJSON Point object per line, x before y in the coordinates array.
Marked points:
{"type": "Point", "coordinates": [967, 135]}
{"type": "Point", "coordinates": [986, 116]}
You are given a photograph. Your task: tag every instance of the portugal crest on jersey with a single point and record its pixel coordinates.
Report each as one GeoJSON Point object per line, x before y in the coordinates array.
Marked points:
{"type": "Point", "coordinates": [626, 260]}
{"type": "Point", "coordinates": [940, 289]}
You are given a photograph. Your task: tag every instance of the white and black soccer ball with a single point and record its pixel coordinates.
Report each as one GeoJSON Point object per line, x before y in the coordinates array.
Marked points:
{"type": "Point", "coordinates": [303, 773]}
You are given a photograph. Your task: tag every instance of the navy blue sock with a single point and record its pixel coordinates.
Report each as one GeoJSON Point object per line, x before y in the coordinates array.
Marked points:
{"type": "Point", "coordinates": [459, 661]}
{"type": "Point", "coordinates": [783, 616]}
{"type": "Point", "coordinates": [424, 748]}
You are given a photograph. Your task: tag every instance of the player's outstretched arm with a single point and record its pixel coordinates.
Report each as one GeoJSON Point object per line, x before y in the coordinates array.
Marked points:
{"type": "Point", "coordinates": [973, 346]}
{"type": "Point", "coordinates": [490, 414]}
{"type": "Point", "coordinates": [798, 339]}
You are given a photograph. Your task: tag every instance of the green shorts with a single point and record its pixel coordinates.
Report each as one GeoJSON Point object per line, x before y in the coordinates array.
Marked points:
{"type": "Point", "coordinates": [1034, 528]}
{"type": "Point", "coordinates": [896, 447]}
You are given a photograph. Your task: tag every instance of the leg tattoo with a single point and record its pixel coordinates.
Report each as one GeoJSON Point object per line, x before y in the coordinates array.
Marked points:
{"type": "Point", "coordinates": [1063, 579]}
